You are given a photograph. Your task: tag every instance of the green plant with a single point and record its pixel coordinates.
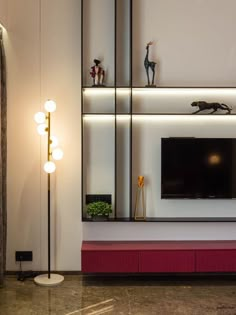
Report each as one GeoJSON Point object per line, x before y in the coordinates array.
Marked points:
{"type": "Point", "coordinates": [99, 208]}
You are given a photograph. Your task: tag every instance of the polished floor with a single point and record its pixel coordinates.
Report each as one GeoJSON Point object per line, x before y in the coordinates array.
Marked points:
{"type": "Point", "coordinates": [121, 296]}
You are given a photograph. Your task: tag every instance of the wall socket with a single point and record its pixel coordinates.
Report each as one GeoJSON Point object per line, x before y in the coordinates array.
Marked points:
{"type": "Point", "coordinates": [24, 256]}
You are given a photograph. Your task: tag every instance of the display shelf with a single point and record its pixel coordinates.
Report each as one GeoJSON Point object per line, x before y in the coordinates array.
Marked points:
{"type": "Point", "coordinates": [106, 87]}
{"type": "Point", "coordinates": [124, 115]}
{"type": "Point", "coordinates": [161, 219]}
{"type": "Point", "coordinates": [107, 114]}
{"type": "Point", "coordinates": [157, 114]}
{"type": "Point", "coordinates": [181, 87]}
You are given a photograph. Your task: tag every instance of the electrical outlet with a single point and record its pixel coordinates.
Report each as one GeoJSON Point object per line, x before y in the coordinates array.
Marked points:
{"type": "Point", "coordinates": [94, 198]}
{"type": "Point", "coordinates": [24, 256]}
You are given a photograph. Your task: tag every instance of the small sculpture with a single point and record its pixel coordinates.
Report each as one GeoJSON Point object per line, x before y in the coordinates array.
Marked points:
{"type": "Point", "coordinates": [202, 105]}
{"type": "Point", "coordinates": [97, 73]}
{"type": "Point", "coordinates": [149, 64]}
{"type": "Point", "coordinates": [140, 193]}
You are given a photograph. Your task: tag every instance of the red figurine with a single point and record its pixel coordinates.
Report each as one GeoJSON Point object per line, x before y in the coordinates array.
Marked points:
{"type": "Point", "coordinates": [97, 73]}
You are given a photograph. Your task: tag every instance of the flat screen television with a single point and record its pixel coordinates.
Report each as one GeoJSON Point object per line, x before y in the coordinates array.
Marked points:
{"type": "Point", "coordinates": [198, 168]}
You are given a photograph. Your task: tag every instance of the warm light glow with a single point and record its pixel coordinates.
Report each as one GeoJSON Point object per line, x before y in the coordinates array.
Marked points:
{"type": "Point", "coordinates": [42, 129]}
{"type": "Point", "coordinates": [186, 91]}
{"type": "Point", "coordinates": [50, 106]}
{"type": "Point", "coordinates": [123, 117]}
{"type": "Point", "coordinates": [57, 154]}
{"type": "Point", "coordinates": [99, 91]}
{"type": "Point", "coordinates": [107, 117]}
{"type": "Point", "coordinates": [54, 142]}
{"type": "Point", "coordinates": [185, 118]}
{"type": "Point", "coordinates": [123, 91]}
{"type": "Point", "coordinates": [106, 91]}
{"type": "Point", "coordinates": [49, 167]}
{"type": "Point", "coordinates": [40, 117]}
{"type": "Point", "coordinates": [214, 159]}
{"type": "Point", "coordinates": [99, 117]}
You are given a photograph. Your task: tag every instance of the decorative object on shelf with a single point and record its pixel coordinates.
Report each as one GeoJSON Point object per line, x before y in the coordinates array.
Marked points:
{"type": "Point", "coordinates": [97, 73]}
{"type": "Point", "coordinates": [44, 128]}
{"type": "Point", "coordinates": [202, 105]}
{"type": "Point", "coordinates": [99, 210]}
{"type": "Point", "coordinates": [149, 64]}
{"type": "Point", "coordinates": [140, 215]}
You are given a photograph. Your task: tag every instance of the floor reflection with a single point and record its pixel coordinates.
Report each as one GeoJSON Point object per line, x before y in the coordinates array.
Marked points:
{"type": "Point", "coordinates": [79, 295]}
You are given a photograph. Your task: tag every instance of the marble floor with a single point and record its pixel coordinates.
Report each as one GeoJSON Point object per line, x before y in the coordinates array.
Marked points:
{"type": "Point", "coordinates": [121, 296]}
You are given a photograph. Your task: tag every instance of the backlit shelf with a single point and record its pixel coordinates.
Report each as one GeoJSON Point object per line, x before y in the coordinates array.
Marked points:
{"type": "Point", "coordinates": [167, 219]}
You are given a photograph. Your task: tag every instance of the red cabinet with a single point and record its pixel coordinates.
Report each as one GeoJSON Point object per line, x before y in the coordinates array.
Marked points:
{"type": "Point", "coordinates": [110, 262]}
{"type": "Point", "coordinates": [216, 260]}
{"type": "Point", "coordinates": [158, 257]}
{"type": "Point", "coordinates": [166, 261]}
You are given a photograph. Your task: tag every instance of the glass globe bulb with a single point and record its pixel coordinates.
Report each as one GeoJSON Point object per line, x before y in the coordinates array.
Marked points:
{"type": "Point", "coordinates": [49, 167]}
{"type": "Point", "coordinates": [42, 129]}
{"type": "Point", "coordinates": [39, 117]}
{"type": "Point", "coordinates": [54, 141]}
{"type": "Point", "coordinates": [50, 106]}
{"type": "Point", "coordinates": [57, 154]}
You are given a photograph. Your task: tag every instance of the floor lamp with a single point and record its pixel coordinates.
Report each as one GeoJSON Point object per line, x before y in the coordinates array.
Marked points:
{"type": "Point", "coordinates": [44, 128]}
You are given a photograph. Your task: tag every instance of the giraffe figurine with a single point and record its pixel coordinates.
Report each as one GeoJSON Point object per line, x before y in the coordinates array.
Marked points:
{"type": "Point", "coordinates": [149, 64]}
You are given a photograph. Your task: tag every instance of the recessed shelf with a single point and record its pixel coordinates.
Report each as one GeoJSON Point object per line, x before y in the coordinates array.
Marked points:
{"type": "Point", "coordinates": [106, 87]}
{"type": "Point", "coordinates": [153, 219]}
{"type": "Point", "coordinates": [159, 114]}
{"type": "Point", "coordinates": [182, 87]}
{"type": "Point", "coordinates": [111, 114]}
{"type": "Point", "coordinates": [156, 88]}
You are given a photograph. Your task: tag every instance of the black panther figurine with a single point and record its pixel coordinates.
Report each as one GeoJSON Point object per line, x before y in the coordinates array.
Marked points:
{"type": "Point", "coordinates": [202, 105]}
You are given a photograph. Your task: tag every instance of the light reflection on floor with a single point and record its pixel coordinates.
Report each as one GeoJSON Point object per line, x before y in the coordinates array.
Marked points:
{"type": "Point", "coordinates": [78, 295]}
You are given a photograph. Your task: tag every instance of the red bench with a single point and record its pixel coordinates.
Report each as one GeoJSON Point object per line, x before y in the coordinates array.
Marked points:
{"type": "Point", "coordinates": [158, 256]}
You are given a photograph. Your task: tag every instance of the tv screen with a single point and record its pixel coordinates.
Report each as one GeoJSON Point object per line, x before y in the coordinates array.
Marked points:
{"type": "Point", "coordinates": [198, 168]}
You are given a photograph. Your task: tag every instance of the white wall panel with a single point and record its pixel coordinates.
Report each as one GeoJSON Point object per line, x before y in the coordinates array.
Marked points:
{"type": "Point", "coordinates": [193, 41]}
{"type": "Point", "coordinates": [59, 73]}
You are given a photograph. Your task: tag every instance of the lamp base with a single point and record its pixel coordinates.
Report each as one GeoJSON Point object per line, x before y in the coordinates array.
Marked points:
{"type": "Point", "coordinates": [54, 280]}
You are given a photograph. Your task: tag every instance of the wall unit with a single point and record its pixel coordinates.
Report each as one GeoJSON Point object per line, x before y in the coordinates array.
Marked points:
{"type": "Point", "coordinates": [122, 123]}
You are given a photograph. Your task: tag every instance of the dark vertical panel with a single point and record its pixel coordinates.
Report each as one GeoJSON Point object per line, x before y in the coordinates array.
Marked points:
{"type": "Point", "coordinates": [131, 103]}
{"type": "Point", "coordinates": [82, 111]}
{"type": "Point", "coordinates": [115, 74]}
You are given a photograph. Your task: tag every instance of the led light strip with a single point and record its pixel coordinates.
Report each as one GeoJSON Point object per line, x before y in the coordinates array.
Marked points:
{"type": "Point", "coordinates": [185, 91]}
{"type": "Point", "coordinates": [106, 117]}
{"type": "Point", "coordinates": [184, 117]}
{"type": "Point", "coordinates": [106, 91]}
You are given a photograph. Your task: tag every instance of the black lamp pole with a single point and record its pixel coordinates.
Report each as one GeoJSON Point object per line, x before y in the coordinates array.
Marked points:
{"type": "Point", "coordinates": [49, 199]}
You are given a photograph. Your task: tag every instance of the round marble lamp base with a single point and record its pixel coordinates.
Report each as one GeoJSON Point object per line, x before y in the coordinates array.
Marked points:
{"type": "Point", "coordinates": [54, 280]}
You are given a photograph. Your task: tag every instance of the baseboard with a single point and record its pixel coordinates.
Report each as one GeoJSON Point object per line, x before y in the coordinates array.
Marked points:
{"type": "Point", "coordinates": [63, 272]}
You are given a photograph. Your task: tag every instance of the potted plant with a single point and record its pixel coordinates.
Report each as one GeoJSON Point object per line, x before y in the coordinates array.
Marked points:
{"type": "Point", "coordinates": [99, 210]}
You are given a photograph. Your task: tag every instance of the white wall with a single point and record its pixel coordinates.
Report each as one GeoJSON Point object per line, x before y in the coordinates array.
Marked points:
{"type": "Point", "coordinates": [60, 79]}
{"type": "Point", "coordinates": [3, 12]}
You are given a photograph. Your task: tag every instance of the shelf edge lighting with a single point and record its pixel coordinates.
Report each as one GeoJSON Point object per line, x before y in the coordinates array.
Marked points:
{"type": "Point", "coordinates": [185, 91]}
{"type": "Point", "coordinates": [98, 91]}
{"type": "Point", "coordinates": [106, 91]}
{"type": "Point", "coordinates": [107, 117]}
{"type": "Point", "coordinates": [99, 117]}
{"type": "Point", "coordinates": [188, 118]}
